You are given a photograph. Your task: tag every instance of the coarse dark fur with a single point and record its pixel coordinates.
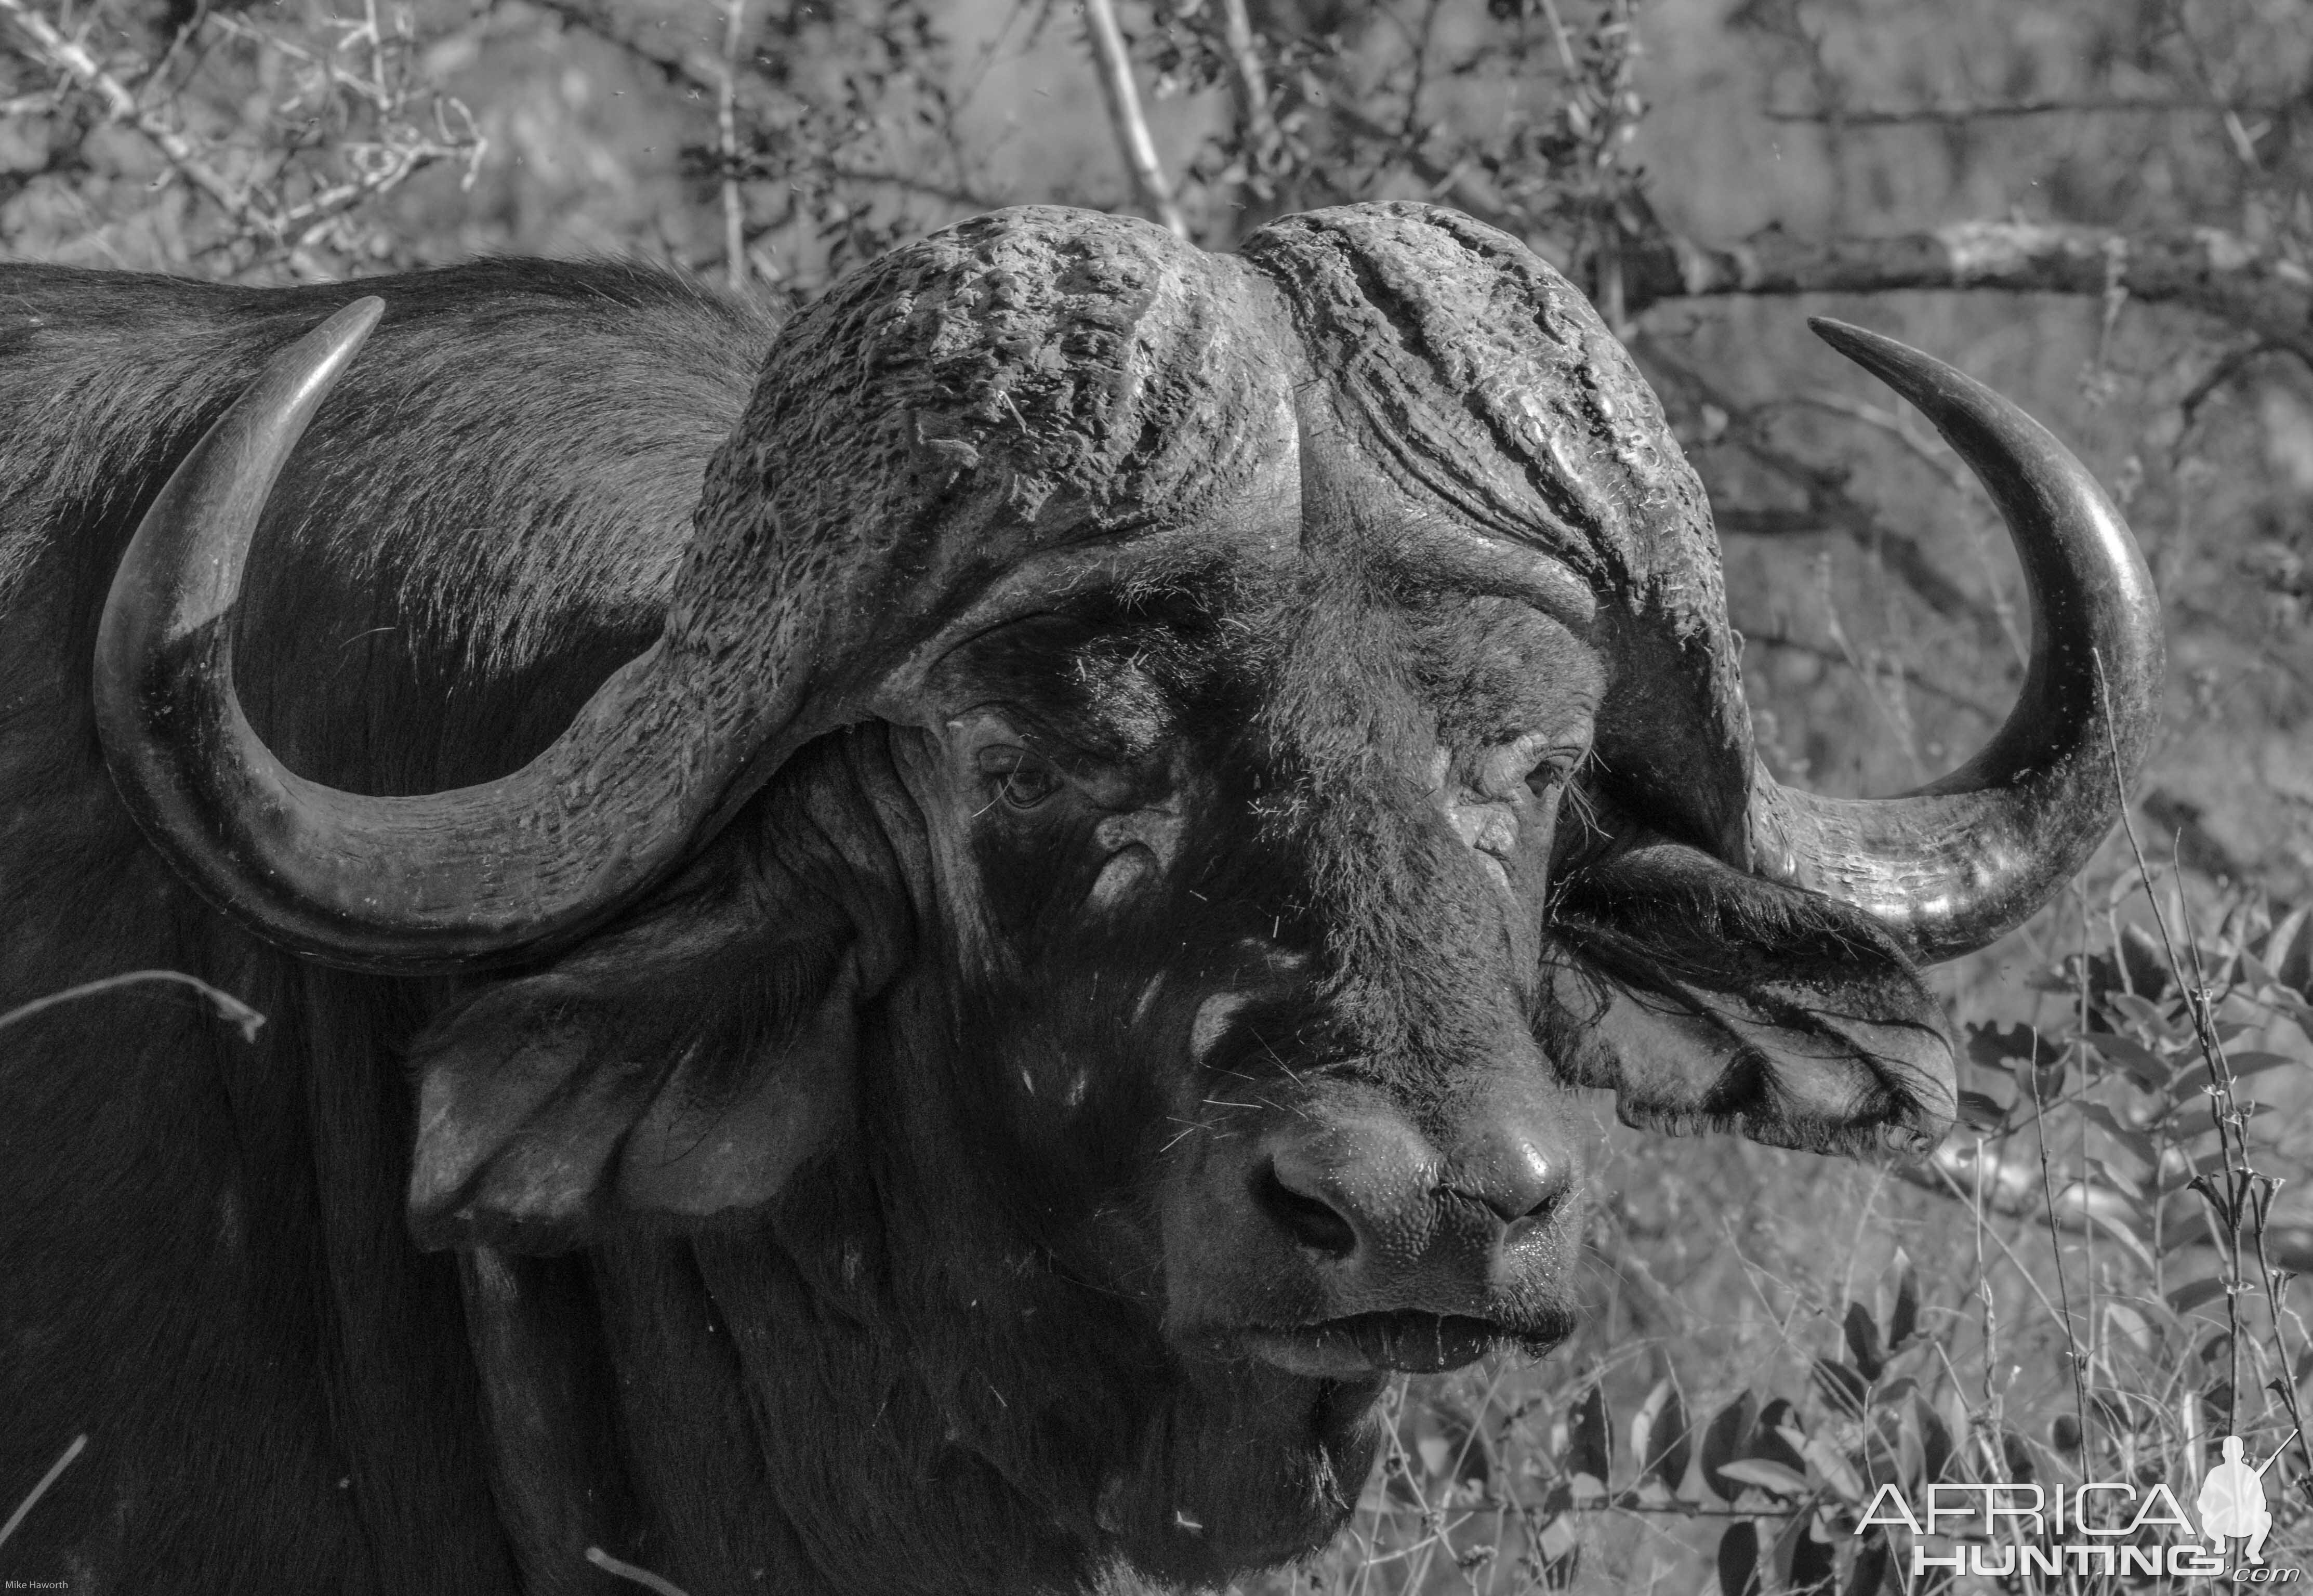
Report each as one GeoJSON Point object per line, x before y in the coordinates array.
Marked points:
{"type": "Point", "coordinates": [952, 1351]}
{"type": "Point", "coordinates": [207, 1264]}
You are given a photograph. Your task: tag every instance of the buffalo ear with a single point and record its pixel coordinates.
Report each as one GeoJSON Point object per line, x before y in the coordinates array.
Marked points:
{"type": "Point", "coordinates": [1710, 1000]}
{"type": "Point", "coordinates": [682, 1067]}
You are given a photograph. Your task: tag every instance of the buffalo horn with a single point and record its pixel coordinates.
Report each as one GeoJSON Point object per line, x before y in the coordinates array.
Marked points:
{"type": "Point", "coordinates": [1954, 864]}
{"type": "Point", "coordinates": [445, 881]}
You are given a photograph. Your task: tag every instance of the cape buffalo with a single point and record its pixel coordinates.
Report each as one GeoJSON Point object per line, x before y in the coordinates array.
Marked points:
{"type": "Point", "coordinates": [908, 953]}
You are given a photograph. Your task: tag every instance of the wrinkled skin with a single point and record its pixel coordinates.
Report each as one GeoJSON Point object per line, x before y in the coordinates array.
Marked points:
{"type": "Point", "coordinates": [1227, 1062]}
{"type": "Point", "coordinates": [1013, 1152]}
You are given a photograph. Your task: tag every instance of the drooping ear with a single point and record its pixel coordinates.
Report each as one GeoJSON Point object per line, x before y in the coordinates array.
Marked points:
{"type": "Point", "coordinates": [1710, 1000]}
{"type": "Point", "coordinates": [682, 1066]}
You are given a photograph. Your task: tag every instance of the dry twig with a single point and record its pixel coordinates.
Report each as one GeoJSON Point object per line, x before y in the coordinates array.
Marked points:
{"type": "Point", "coordinates": [726, 123]}
{"type": "Point", "coordinates": [1114, 68]}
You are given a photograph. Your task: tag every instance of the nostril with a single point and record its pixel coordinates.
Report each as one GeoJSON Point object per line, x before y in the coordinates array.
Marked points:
{"type": "Point", "coordinates": [1538, 1209]}
{"type": "Point", "coordinates": [1311, 1220]}
{"type": "Point", "coordinates": [1512, 1208]}
{"type": "Point", "coordinates": [1519, 1187]}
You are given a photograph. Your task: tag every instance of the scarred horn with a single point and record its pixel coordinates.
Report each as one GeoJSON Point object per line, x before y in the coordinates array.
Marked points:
{"type": "Point", "coordinates": [444, 881]}
{"type": "Point", "coordinates": [979, 485]}
{"type": "Point", "coordinates": [1957, 863]}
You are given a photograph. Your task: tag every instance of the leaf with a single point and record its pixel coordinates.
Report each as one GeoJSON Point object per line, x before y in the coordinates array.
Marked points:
{"type": "Point", "coordinates": [1769, 1441]}
{"type": "Point", "coordinates": [1869, 1573]}
{"type": "Point", "coordinates": [2183, 1228]}
{"type": "Point", "coordinates": [2140, 1063]}
{"type": "Point", "coordinates": [2150, 1015]}
{"type": "Point", "coordinates": [1767, 1476]}
{"type": "Point", "coordinates": [2289, 951]}
{"type": "Point", "coordinates": [2193, 1293]}
{"type": "Point", "coordinates": [1935, 1442]}
{"type": "Point", "coordinates": [1590, 1437]}
{"type": "Point", "coordinates": [2120, 1180]}
{"type": "Point", "coordinates": [2138, 1142]}
{"type": "Point", "coordinates": [1833, 1469]}
{"type": "Point", "coordinates": [2257, 1064]}
{"type": "Point", "coordinates": [1997, 1046]}
{"type": "Point", "coordinates": [1673, 1447]}
{"type": "Point", "coordinates": [1981, 1112]}
{"type": "Point", "coordinates": [2108, 1217]}
{"type": "Point", "coordinates": [2129, 1323]}
{"type": "Point", "coordinates": [1642, 1423]}
{"type": "Point", "coordinates": [2022, 1456]}
{"type": "Point", "coordinates": [1904, 1313]}
{"type": "Point", "coordinates": [1561, 1545]}
{"type": "Point", "coordinates": [1842, 1386]}
{"type": "Point", "coordinates": [1727, 1438]}
{"type": "Point", "coordinates": [1739, 1560]}
{"type": "Point", "coordinates": [1813, 1567]}
{"type": "Point", "coordinates": [1863, 1342]}
{"type": "Point", "coordinates": [2295, 1007]}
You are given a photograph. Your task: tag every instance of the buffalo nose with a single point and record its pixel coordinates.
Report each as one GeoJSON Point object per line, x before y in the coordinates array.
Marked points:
{"type": "Point", "coordinates": [1510, 1173]}
{"type": "Point", "coordinates": [1374, 1191]}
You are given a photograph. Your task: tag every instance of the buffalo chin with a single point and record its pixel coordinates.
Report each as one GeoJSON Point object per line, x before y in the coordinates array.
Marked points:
{"type": "Point", "coordinates": [1369, 1345]}
{"type": "Point", "coordinates": [1249, 1467]}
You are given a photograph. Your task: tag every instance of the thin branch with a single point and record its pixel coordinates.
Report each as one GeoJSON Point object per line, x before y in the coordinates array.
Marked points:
{"type": "Point", "coordinates": [79, 1445]}
{"type": "Point", "coordinates": [657, 1584]}
{"type": "Point", "coordinates": [2227, 367]}
{"type": "Point", "coordinates": [1828, 508]}
{"type": "Point", "coordinates": [1252, 85]}
{"type": "Point", "coordinates": [1139, 151]}
{"type": "Point", "coordinates": [1909, 674]}
{"type": "Point", "coordinates": [232, 27]}
{"type": "Point", "coordinates": [2203, 268]}
{"type": "Point", "coordinates": [1891, 423]}
{"type": "Point", "coordinates": [227, 1006]}
{"type": "Point", "coordinates": [697, 69]}
{"type": "Point", "coordinates": [1958, 113]}
{"type": "Point", "coordinates": [379, 164]}
{"type": "Point", "coordinates": [726, 122]}
{"type": "Point", "coordinates": [71, 59]}
{"type": "Point", "coordinates": [1566, 61]}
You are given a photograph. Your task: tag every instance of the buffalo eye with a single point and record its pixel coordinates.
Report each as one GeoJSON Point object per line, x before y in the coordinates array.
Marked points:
{"type": "Point", "coordinates": [1552, 771]}
{"type": "Point", "coordinates": [1021, 779]}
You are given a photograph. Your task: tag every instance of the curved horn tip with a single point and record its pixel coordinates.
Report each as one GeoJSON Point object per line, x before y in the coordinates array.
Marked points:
{"type": "Point", "coordinates": [1857, 343]}
{"type": "Point", "coordinates": [1897, 363]}
{"type": "Point", "coordinates": [346, 329]}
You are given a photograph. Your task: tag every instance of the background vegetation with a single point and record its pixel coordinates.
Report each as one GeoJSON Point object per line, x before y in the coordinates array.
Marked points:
{"type": "Point", "coordinates": [2101, 207]}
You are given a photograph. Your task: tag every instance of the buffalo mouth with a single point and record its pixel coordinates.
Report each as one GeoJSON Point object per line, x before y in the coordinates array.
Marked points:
{"type": "Point", "coordinates": [1403, 1342]}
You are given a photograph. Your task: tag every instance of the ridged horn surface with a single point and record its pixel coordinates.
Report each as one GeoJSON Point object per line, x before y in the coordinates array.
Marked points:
{"type": "Point", "coordinates": [1957, 863]}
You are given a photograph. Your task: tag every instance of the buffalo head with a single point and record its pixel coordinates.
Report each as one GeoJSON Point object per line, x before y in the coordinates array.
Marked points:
{"type": "Point", "coordinates": [1162, 777]}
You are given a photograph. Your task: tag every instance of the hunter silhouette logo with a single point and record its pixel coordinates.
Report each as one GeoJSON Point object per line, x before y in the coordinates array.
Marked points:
{"type": "Point", "coordinates": [2099, 1527]}
{"type": "Point", "coordinates": [2232, 1502]}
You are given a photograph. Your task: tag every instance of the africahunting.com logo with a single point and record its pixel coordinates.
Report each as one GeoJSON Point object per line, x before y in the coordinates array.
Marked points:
{"type": "Point", "coordinates": [2100, 1528]}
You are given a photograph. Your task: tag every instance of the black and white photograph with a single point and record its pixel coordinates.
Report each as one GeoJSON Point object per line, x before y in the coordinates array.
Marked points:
{"type": "Point", "coordinates": [1103, 798]}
